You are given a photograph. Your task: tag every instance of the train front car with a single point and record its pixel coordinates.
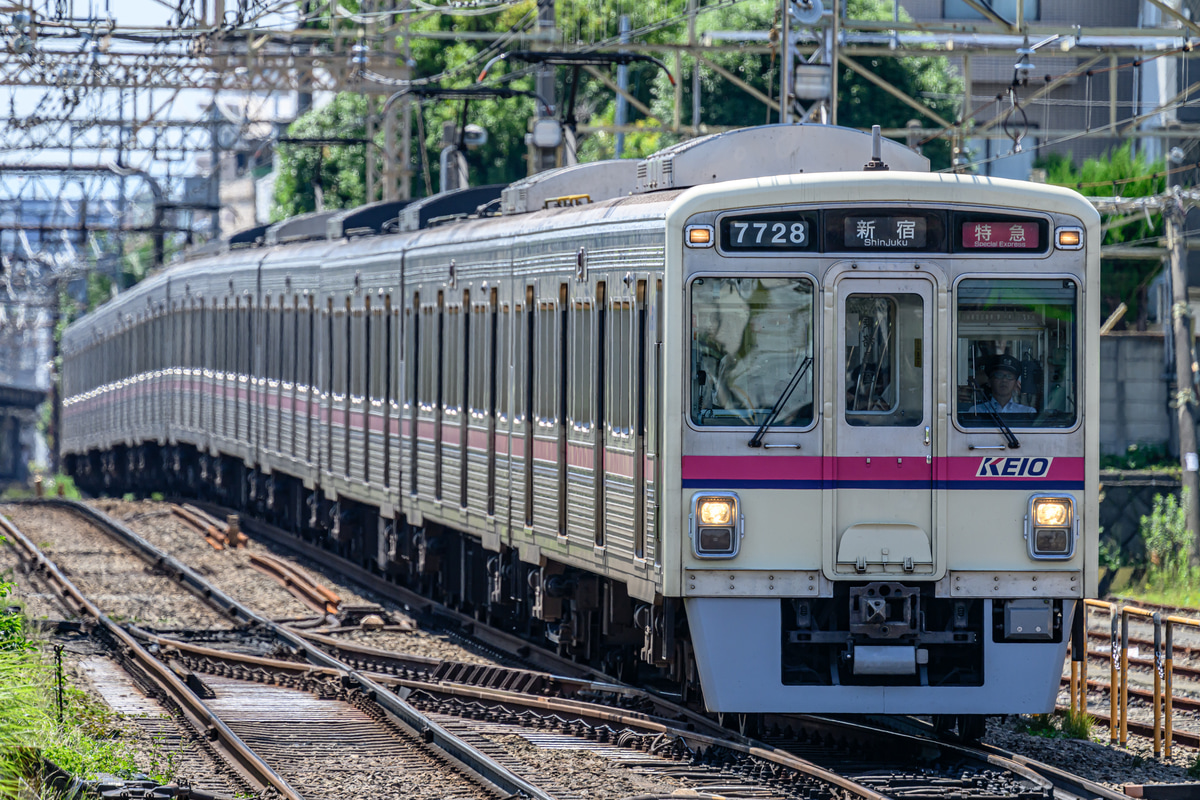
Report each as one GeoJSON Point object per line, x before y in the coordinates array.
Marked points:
{"type": "Point", "coordinates": [886, 390]}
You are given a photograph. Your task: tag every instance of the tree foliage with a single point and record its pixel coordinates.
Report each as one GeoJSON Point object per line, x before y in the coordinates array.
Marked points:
{"type": "Point", "coordinates": [456, 63]}
{"type": "Point", "coordinates": [335, 173]}
{"type": "Point", "coordinates": [1126, 174]}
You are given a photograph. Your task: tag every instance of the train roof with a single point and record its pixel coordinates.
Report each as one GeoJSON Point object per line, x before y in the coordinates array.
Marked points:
{"type": "Point", "coordinates": [756, 152]}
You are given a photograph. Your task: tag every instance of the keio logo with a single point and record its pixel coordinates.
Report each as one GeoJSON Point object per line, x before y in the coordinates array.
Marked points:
{"type": "Point", "coordinates": [1013, 467]}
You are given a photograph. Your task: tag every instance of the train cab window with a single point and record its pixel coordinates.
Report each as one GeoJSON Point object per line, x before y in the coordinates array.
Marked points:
{"type": "Point", "coordinates": [750, 337]}
{"type": "Point", "coordinates": [1016, 352]}
{"type": "Point", "coordinates": [884, 360]}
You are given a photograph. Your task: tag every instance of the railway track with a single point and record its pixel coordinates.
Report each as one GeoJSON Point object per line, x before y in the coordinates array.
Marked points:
{"type": "Point", "coordinates": [941, 771]}
{"type": "Point", "coordinates": [517, 716]}
{"type": "Point", "coordinates": [291, 747]}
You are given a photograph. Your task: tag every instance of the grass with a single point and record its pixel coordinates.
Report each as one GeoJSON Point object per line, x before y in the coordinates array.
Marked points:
{"type": "Point", "coordinates": [1183, 597]}
{"type": "Point", "coordinates": [85, 743]}
{"type": "Point", "coordinates": [50, 488]}
{"type": "Point", "coordinates": [1059, 725]}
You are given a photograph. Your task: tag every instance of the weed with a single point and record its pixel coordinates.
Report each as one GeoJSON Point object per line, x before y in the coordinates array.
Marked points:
{"type": "Point", "coordinates": [1077, 724]}
{"type": "Point", "coordinates": [1169, 546]}
{"type": "Point", "coordinates": [85, 744]}
{"type": "Point", "coordinates": [1038, 725]}
{"type": "Point", "coordinates": [128, 497]}
{"type": "Point", "coordinates": [1142, 456]}
{"type": "Point", "coordinates": [1193, 769]}
{"type": "Point", "coordinates": [64, 485]}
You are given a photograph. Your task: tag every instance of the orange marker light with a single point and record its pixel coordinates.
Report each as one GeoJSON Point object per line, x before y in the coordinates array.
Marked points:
{"type": "Point", "coordinates": [701, 236]}
{"type": "Point", "coordinates": [1069, 238]}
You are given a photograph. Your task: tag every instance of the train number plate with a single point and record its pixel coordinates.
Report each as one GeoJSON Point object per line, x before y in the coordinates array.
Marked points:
{"type": "Point", "coordinates": [769, 232]}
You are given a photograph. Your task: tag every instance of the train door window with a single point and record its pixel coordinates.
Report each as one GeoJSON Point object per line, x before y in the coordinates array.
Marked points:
{"type": "Point", "coordinates": [750, 338]}
{"type": "Point", "coordinates": [581, 407]}
{"type": "Point", "coordinates": [884, 359]}
{"type": "Point", "coordinates": [1016, 353]}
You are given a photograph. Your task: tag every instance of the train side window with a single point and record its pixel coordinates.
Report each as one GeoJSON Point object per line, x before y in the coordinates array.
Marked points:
{"type": "Point", "coordinates": [546, 365]}
{"type": "Point", "coordinates": [521, 330]}
{"type": "Point", "coordinates": [581, 411]}
{"type": "Point", "coordinates": [619, 362]}
{"type": "Point", "coordinates": [268, 317]}
{"type": "Point", "coordinates": [504, 339]}
{"type": "Point", "coordinates": [1016, 353]}
{"type": "Point", "coordinates": [452, 353]}
{"type": "Point", "coordinates": [885, 382]}
{"type": "Point", "coordinates": [337, 352]}
{"type": "Point", "coordinates": [479, 361]}
{"type": "Point", "coordinates": [357, 356]}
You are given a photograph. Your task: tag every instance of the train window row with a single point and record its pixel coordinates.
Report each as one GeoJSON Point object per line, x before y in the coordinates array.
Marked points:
{"type": "Point", "coordinates": [573, 381]}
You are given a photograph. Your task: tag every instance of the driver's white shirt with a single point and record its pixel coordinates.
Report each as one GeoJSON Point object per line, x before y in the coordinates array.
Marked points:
{"type": "Point", "coordinates": [1011, 407]}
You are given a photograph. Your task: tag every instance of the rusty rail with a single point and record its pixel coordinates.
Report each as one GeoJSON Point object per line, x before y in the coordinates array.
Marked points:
{"type": "Point", "coordinates": [313, 595]}
{"type": "Point", "coordinates": [1161, 698]}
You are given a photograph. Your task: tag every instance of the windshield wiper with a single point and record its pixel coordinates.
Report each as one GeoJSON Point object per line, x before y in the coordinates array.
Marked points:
{"type": "Point", "coordinates": [779, 404]}
{"type": "Point", "coordinates": [1010, 438]}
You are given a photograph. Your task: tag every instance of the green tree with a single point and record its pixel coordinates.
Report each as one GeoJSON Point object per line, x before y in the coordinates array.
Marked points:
{"type": "Point", "coordinates": [335, 173]}
{"type": "Point", "coordinates": [582, 23]}
{"type": "Point", "coordinates": [1127, 174]}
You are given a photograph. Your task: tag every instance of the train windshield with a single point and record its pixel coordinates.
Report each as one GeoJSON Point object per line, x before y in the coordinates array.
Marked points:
{"type": "Point", "coordinates": [749, 338]}
{"type": "Point", "coordinates": [1016, 353]}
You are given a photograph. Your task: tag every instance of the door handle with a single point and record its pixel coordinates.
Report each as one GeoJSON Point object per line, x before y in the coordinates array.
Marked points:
{"type": "Point", "coordinates": [927, 436]}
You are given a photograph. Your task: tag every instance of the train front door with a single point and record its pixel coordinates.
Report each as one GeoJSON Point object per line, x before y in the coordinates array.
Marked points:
{"type": "Point", "coordinates": [881, 464]}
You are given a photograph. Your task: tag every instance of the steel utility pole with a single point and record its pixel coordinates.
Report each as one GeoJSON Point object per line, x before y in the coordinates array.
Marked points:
{"type": "Point", "coordinates": [785, 64]}
{"type": "Point", "coordinates": [1185, 397]}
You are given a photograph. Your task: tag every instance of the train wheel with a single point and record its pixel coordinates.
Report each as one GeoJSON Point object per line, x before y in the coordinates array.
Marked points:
{"type": "Point", "coordinates": [943, 725]}
{"type": "Point", "coordinates": [971, 727]}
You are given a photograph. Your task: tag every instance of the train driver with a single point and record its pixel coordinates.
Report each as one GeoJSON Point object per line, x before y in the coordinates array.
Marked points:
{"type": "Point", "coordinates": [1004, 381]}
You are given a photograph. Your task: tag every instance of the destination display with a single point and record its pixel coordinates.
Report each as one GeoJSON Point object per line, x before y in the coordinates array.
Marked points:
{"type": "Point", "coordinates": [1000, 235]}
{"type": "Point", "coordinates": [884, 232]}
{"type": "Point", "coordinates": [770, 232]}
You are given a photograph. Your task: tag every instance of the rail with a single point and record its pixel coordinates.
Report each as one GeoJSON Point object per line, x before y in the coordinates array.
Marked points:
{"type": "Point", "coordinates": [1161, 697]}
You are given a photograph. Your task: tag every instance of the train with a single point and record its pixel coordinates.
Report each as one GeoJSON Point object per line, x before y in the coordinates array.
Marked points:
{"type": "Point", "coordinates": [775, 414]}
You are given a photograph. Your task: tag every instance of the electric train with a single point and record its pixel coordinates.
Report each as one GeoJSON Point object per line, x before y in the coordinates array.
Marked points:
{"type": "Point", "coordinates": [775, 412]}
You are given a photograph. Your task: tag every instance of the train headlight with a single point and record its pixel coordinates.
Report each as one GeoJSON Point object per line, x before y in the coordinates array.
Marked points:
{"type": "Point", "coordinates": [1051, 511]}
{"type": "Point", "coordinates": [716, 525]}
{"type": "Point", "coordinates": [715, 511]}
{"type": "Point", "coordinates": [1051, 527]}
